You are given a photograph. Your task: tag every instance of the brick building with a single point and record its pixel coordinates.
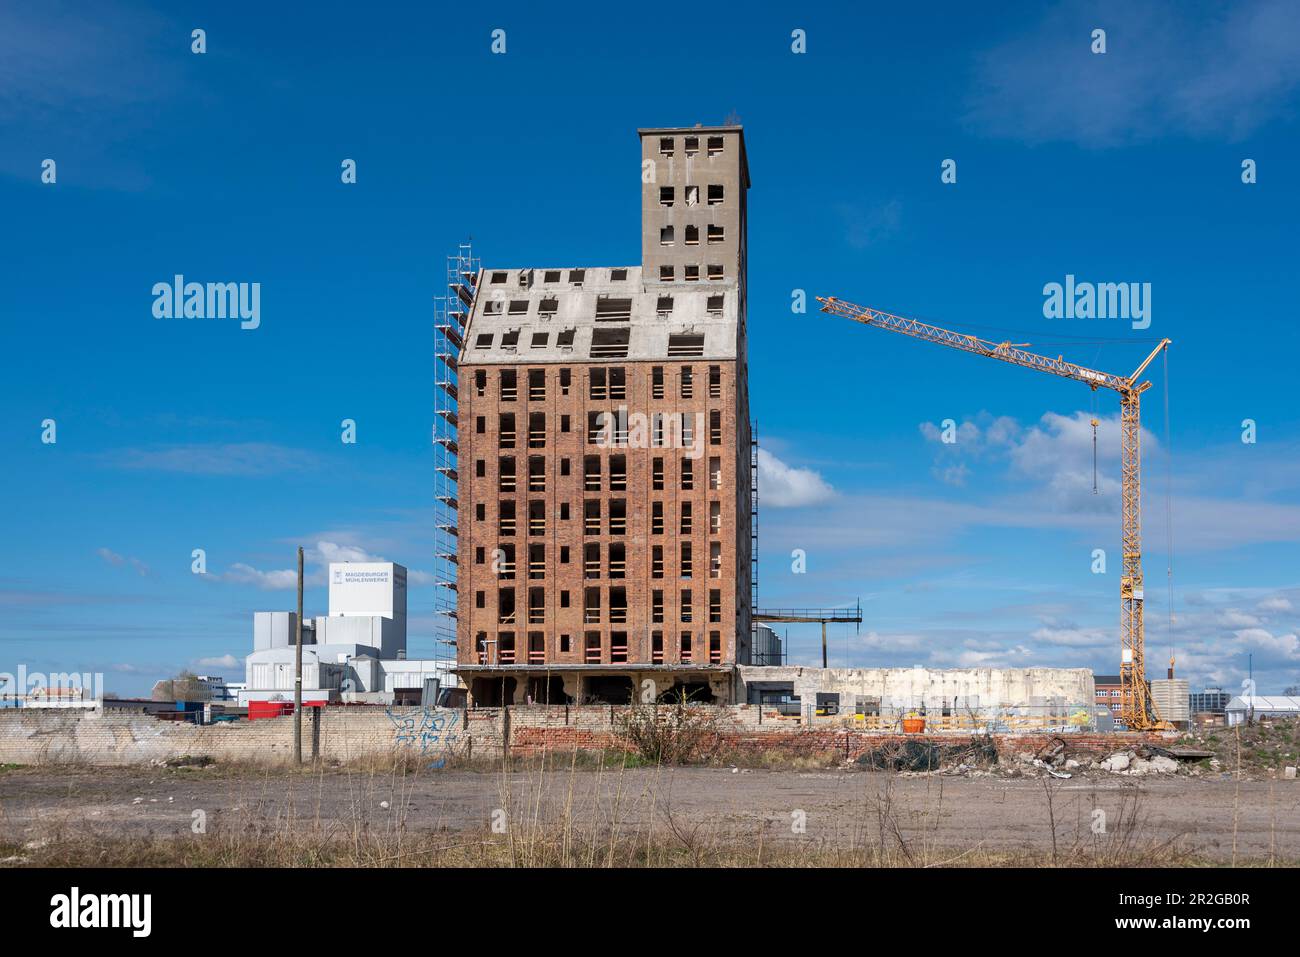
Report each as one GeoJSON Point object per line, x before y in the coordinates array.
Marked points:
{"type": "Point", "coordinates": [605, 486]}
{"type": "Point", "coordinates": [1108, 691]}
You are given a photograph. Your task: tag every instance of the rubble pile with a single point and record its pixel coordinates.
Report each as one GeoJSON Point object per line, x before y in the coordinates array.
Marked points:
{"type": "Point", "coordinates": [1266, 749]}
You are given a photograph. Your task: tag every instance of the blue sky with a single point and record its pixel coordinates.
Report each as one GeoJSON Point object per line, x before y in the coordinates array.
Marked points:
{"type": "Point", "coordinates": [1115, 167]}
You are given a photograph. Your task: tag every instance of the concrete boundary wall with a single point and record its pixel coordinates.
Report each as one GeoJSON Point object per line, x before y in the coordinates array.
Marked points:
{"type": "Point", "coordinates": [30, 736]}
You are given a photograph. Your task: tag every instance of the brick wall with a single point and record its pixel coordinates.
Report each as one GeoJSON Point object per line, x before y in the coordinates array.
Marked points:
{"type": "Point", "coordinates": [350, 734]}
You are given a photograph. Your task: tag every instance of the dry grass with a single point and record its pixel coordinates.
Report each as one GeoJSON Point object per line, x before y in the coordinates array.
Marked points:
{"type": "Point", "coordinates": [687, 849]}
{"type": "Point", "coordinates": [669, 734]}
{"type": "Point", "coordinates": [1256, 750]}
{"type": "Point", "coordinates": [545, 819]}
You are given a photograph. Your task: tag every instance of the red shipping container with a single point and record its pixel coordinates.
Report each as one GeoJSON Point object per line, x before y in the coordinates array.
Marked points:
{"type": "Point", "coordinates": [277, 709]}
{"type": "Point", "coordinates": [269, 709]}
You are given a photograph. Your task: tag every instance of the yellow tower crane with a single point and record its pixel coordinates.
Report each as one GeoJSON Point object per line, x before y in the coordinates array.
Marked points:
{"type": "Point", "coordinates": [1137, 709]}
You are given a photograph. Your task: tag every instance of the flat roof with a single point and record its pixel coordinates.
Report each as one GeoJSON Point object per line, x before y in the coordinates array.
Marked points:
{"type": "Point", "coordinates": [647, 130]}
{"type": "Point", "coordinates": [637, 329]}
{"type": "Point", "coordinates": [1264, 703]}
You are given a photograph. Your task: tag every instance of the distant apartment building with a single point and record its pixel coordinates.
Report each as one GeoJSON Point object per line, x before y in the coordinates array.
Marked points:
{"type": "Point", "coordinates": [604, 548]}
{"type": "Point", "coordinates": [1109, 692]}
{"type": "Point", "coordinates": [1168, 703]}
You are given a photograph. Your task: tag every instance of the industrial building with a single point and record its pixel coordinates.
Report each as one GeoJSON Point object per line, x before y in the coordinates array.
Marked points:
{"type": "Point", "coordinates": [604, 457]}
{"type": "Point", "coordinates": [355, 653]}
{"type": "Point", "coordinates": [769, 647]}
{"type": "Point", "coordinates": [1246, 708]}
{"type": "Point", "coordinates": [1208, 701]}
{"type": "Point", "coordinates": [986, 696]}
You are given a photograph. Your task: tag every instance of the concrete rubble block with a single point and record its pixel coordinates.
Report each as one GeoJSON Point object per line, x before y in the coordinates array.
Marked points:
{"type": "Point", "coordinates": [1159, 764]}
{"type": "Point", "coordinates": [1117, 762]}
{"type": "Point", "coordinates": [1289, 774]}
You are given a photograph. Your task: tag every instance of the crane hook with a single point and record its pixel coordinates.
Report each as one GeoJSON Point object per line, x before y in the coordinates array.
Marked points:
{"type": "Point", "coordinates": [1094, 456]}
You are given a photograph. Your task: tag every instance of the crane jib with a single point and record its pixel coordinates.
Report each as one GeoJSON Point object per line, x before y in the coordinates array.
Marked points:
{"type": "Point", "coordinates": [969, 343]}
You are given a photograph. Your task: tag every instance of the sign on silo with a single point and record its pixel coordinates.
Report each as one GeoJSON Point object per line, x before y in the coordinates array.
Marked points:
{"type": "Point", "coordinates": [368, 588]}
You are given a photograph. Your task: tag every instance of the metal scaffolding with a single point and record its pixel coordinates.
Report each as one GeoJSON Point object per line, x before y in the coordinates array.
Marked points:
{"type": "Point", "coordinates": [753, 536]}
{"type": "Point", "coordinates": [451, 313]}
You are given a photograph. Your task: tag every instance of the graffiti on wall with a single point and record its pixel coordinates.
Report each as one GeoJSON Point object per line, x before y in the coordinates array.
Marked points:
{"type": "Point", "coordinates": [427, 731]}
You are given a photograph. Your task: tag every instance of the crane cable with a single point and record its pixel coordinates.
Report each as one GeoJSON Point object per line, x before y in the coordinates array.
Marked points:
{"type": "Point", "coordinates": [1093, 419]}
{"type": "Point", "coordinates": [1169, 512]}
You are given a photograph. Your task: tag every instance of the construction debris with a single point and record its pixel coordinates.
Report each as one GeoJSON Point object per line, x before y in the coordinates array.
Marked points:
{"type": "Point", "coordinates": [1051, 770]}
{"type": "Point", "coordinates": [1117, 763]}
{"type": "Point", "coordinates": [914, 755]}
{"type": "Point", "coordinates": [1188, 754]}
{"type": "Point", "coordinates": [1052, 753]}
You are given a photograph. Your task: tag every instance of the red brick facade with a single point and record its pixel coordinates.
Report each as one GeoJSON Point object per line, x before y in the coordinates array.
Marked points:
{"type": "Point", "coordinates": [592, 553]}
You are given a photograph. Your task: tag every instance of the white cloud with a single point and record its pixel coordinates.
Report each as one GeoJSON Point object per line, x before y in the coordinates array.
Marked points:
{"type": "Point", "coordinates": [1072, 636]}
{"type": "Point", "coordinates": [1233, 618]}
{"type": "Point", "coordinates": [1277, 603]}
{"type": "Point", "coordinates": [119, 561]}
{"type": "Point", "coordinates": [128, 668]}
{"type": "Point", "coordinates": [223, 661]}
{"type": "Point", "coordinates": [326, 552]}
{"type": "Point", "coordinates": [1056, 454]}
{"type": "Point", "coordinates": [972, 440]}
{"type": "Point", "coordinates": [874, 642]}
{"type": "Point", "coordinates": [243, 574]}
{"type": "Point", "coordinates": [316, 559]}
{"type": "Point", "coordinates": [784, 486]}
{"type": "Point", "coordinates": [955, 475]}
{"type": "Point", "coordinates": [1277, 648]}
{"type": "Point", "coordinates": [1013, 657]}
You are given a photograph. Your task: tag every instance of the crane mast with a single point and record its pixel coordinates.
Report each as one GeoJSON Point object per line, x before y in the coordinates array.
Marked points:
{"type": "Point", "coordinates": [1136, 707]}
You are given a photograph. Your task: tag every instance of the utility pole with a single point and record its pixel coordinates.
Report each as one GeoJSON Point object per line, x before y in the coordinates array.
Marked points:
{"type": "Point", "coordinates": [297, 678]}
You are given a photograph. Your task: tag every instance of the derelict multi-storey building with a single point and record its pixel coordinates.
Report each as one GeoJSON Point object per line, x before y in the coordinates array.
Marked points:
{"type": "Point", "coordinates": [605, 496]}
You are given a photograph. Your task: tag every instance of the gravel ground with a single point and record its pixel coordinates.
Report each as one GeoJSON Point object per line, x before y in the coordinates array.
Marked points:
{"type": "Point", "coordinates": [1205, 816]}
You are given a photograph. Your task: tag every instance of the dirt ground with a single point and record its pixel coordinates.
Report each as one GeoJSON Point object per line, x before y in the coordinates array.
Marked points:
{"type": "Point", "coordinates": [1214, 819]}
